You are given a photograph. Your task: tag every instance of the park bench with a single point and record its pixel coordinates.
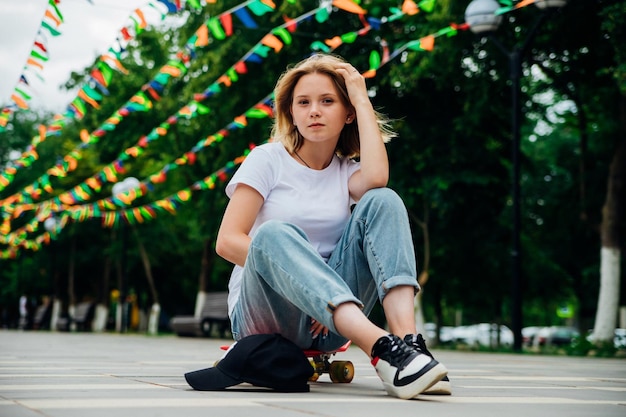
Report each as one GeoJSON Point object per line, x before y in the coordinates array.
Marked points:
{"type": "Point", "coordinates": [83, 316]}
{"type": "Point", "coordinates": [214, 313]}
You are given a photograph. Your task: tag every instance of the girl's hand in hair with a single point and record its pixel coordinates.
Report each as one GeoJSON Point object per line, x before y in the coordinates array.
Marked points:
{"type": "Point", "coordinates": [355, 84]}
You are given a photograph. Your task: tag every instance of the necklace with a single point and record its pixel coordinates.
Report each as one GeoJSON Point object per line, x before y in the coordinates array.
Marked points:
{"type": "Point", "coordinates": [300, 158]}
{"type": "Point", "coordinates": [309, 166]}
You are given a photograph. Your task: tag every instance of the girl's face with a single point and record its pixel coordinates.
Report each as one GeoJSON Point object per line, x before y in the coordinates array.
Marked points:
{"type": "Point", "coordinates": [317, 109]}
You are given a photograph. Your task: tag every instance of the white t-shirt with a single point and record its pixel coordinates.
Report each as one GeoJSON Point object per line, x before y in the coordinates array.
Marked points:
{"type": "Point", "coordinates": [316, 201]}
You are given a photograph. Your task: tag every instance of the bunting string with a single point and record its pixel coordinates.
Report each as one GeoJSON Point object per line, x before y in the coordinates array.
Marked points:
{"type": "Point", "coordinates": [175, 68]}
{"type": "Point", "coordinates": [262, 109]}
{"type": "Point", "coordinates": [39, 55]}
{"type": "Point", "coordinates": [101, 73]}
{"type": "Point", "coordinates": [100, 78]}
{"type": "Point", "coordinates": [274, 40]}
{"type": "Point", "coordinates": [135, 215]}
{"type": "Point", "coordinates": [108, 209]}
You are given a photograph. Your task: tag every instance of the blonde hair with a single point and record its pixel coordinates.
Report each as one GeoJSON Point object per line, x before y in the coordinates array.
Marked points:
{"type": "Point", "coordinates": [284, 130]}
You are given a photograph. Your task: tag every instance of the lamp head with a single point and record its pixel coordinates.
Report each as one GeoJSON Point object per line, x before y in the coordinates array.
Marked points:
{"type": "Point", "coordinates": [481, 18]}
{"type": "Point", "coordinates": [126, 185]}
{"type": "Point", "coordinates": [50, 224]}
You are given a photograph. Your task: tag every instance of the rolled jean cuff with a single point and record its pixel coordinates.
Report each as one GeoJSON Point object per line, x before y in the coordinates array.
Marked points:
{"type": "Point", "coordinates": [393, 282]}
{"type": "Point", "coordinates": [335, 302]}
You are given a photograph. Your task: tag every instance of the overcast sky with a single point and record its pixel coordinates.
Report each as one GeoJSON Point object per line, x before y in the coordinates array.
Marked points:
{"type": "Point", "coordinates": [89, 29]}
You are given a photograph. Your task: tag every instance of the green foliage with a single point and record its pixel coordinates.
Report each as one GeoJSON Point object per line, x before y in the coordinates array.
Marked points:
{"type": "Point", "coordinates": [582, 347]}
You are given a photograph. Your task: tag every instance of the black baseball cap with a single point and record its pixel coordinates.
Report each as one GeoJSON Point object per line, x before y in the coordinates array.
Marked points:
{"type": "Point", "coordinates": [263, 360]}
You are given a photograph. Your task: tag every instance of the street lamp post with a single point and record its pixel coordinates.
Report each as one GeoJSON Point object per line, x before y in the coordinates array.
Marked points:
{"type": "Point", "coordinates": [482, 20]}
{"type": "Point", "coordinates": [119, 188]}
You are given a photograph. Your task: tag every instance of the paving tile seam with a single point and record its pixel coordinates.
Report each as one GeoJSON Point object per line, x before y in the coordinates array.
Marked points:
{"type": "Point", "coordinates": [542, 387]}
{"type": "Point", "coordinates": [116, 403]}
{"type": "Point", "coordinates": [452, 375]}
{"type": "Point", "coordinates": [538, 378]}
{"type": "Point", "coordinates": [144, 385]}
{"type": "Point", "coordinates": [84, 387]}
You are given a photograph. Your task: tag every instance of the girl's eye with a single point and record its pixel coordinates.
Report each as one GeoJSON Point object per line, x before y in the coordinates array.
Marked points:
{"type": "Point", "coordinates": [303, 102]}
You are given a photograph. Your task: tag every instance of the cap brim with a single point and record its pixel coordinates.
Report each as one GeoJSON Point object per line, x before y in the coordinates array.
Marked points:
{"type": "Point", "coordinates": [210, 379]}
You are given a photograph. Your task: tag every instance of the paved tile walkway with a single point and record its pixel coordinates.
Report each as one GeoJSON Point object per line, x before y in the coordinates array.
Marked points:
{"type": "Point", "coordinates": [90, 375]}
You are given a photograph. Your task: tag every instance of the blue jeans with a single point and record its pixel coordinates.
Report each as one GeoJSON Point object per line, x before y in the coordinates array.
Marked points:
{"type": "Point", "coordinates": [286, 282]}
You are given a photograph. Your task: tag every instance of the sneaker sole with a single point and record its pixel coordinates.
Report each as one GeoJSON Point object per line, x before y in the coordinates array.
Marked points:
{"type": "Point", "coordinates": [442, 387]}
{"type": "Point", "coordinates": [425, 381]}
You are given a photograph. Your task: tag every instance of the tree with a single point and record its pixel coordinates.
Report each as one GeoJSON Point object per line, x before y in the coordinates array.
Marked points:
{"type": "Point", "coordinates": [586, 74]}
{"type": "Point", "coordinates": [613, 211]}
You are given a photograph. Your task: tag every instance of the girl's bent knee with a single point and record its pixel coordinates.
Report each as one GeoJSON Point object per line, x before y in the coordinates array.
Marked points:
{"type": "Point", "coordinates": [381, 197]}
{"type": "Point", "coordinates": [274, 230]}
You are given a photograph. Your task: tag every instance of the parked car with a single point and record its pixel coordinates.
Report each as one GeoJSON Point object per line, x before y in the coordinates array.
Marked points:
{"type": "Point", "coordinates": [620, 338]}
{"type": "Point", "coordinates": [483, 334]}
{"type": "Point", "coordinates": [529, 333]}
{"type": "Point", "coordinates": [430, 331]}
{"type": "Point", "coordinates": [445, 333]}
{"type": "Point", "coordinates": [556, 336]}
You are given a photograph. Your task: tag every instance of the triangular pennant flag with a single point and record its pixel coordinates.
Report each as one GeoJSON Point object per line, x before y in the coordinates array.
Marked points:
{"type": "Point", "coordinates": [427, 43]}
{"type": "Point", "coordinates": [227, 23]}
{"type": "Point", "coordinates": [409, 8]}
{"type": "Point", "coordinates": [216, 29]}
{"type": "Point", "coordinates": [247, 20]}
{"type": "Point", "coordinates": [272, 42]}
{"type": "Point", "coordinates": [260, 7]}
{"type": "Point", "coordinates": [55, 19]}
{"type": "Point", "coordinates": [427, 5]}
{"type": "Point", "coordinates": [52, 31]}
{"type": "Point", "coordinates": [349, 6]}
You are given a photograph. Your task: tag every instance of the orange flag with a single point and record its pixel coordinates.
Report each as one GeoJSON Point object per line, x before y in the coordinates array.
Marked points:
{"type": "Point", "coordinates": [349, 6]}
{"type": "Point", "coordinates": [53, 17]}
{"type": "Point", "coordinates": [203, 36]}
{"type": "Point", "coordinates": [19, 101]}
{"type": "Point", "coordinates": [427, 43]}
{"type": "Point", "coordinates": [273, 42]}
{"type": "Point", "coordinates": [409, 7]}
{"type": "Point", "coordinates": [35, 63]}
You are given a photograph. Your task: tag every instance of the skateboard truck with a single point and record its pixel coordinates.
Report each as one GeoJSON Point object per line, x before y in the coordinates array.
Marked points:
{"type": "Point", "coordinates": [338, 371]}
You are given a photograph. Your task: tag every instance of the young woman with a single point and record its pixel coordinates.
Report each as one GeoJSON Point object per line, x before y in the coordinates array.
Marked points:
{"type": "Point", "coordinates": [315, 236]}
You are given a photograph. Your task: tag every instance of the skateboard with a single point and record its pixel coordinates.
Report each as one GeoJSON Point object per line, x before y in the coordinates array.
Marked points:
{"type": "Point", "coordinates": [338, 371]}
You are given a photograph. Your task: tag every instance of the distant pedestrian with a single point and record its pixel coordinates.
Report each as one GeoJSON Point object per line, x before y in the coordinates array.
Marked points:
{"type": "Point", "coordinates": [24, 311]}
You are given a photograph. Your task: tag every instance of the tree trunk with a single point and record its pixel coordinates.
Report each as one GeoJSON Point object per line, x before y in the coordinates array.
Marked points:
{"type": "Point", "coordinates": [423, 276]}
{"type": "Point", "coordinates": [203, 279]}
{"type": "Point", "coordinates": [155, 310]}
{"type": "Point", "coordinates": [71, 277]}
{"type": "Point", "coordinates": [610, 254]}
{"type": "Point", "coordinates": [71, 274]}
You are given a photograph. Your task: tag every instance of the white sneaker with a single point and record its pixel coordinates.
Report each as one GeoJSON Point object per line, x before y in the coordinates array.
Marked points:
{"type": "Point", "coordinates": [417, 342]}
{"type": "Point", "coordinates": [404, 371]}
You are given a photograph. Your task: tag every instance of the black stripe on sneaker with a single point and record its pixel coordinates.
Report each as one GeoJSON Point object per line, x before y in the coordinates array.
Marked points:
{"type": "Point", "coordinates": [411, 378]}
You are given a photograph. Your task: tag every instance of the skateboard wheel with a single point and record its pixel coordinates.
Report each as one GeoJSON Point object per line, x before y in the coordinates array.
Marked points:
{"type": "Point", "coordinates": [317, 371]}
{"type": "Point", "coordinates": [341, 371]}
